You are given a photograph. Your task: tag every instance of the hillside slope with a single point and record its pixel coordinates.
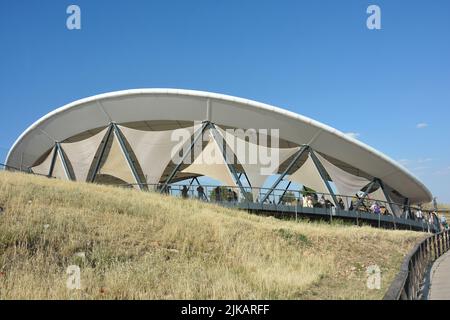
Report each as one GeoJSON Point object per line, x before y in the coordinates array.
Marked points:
{"type": "Point", "coordinates": [136, 245]}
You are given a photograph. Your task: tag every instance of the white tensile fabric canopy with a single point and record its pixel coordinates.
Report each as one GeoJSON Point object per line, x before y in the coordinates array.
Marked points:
{"type": "Point", "coordinates": [346, 184]}
{"type": "Point", "coordinates": [210, 162]}
{"type": "Point", "coordinates": [153, 149]}
{"type": "Point", "coordinates": [58, 167]}
{"type": "Point", "coordinates": [256, 171]}
{"type": "Point", "coordinates": [82, 153]}
{"type": "Point", "coordinates": [308, 175]}
{"type": "Point", "coordinates": [174, 105]}
{"type": "Point", "coordinates": [379, 195]}
{"type": "Point", "coordinates": [116, 164]}
{"type": "Point", "coordinates": [44, 167]}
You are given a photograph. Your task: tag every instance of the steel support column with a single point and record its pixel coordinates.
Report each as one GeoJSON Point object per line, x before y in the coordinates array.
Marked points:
{"type": "Point", "coordinates": [284, 192]}
{"type": "Point", "coordinates": [52, 164]}
{"type": "Point", "coordinates": [406, 209]}
{"type": "Point", "coordinates": [297, 156]}
{"type": "Point", "coordinates": [190, 183]}
{"type": "Point", "coordinates": [386, 195]}
{"type": "Point", "coordinates": [64, 161]}
{"type": "Point", "coordinates": [102, 153]}
{"type": "Point", "coordinates": [246, 178]}
{"type": "Point", "coordinates": [120, 138]}
{"type": "Point", "coordinates": [222, 146]}
{"type": "Point", "coordinates": [323, 175]}
{"type": "Point", "coordinates": [361, 200]}
{"type": "Point", "coordinates": [205, 125]}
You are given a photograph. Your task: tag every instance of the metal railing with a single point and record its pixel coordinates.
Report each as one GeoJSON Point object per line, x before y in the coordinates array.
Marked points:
{"type": "Point", "coordinates": [409, 282]}
{"type": "Point", "coordinates": [295, 202]}
{"type": "Point", "coordinates": [9, 168]}
{"type": "Point", "coordinates": [299, 202]}
{"type": "Point", "coordinates": [14, 169]}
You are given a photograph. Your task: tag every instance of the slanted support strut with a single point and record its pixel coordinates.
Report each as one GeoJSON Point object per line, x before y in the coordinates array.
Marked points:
{"type": "Point", "coordinates": [52, 164]}
{"type": "Point", "coordinates": [64, 161]}
{"type": "Point", "coordinates": [222, 146]}
{"type": "Point", "coordinates": [205, 125]}
{"type": "Point", "coordinates": [284, 192]}
{"type": "Point", "coordinates": [386, 195]}
{"type": "Point", "coordinates": [124, 149]}
{"type": "Point", "coordinates": [102, 153]}
{"type": "Point", "coordinates": [297, 156]}
{"type": "Point", "coordinates": [361, 200]}
{"type": "Point", "coordinates": [323, 175]}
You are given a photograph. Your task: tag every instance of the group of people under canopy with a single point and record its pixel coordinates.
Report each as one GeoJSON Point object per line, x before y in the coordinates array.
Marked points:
{"type": "Point", "coordinates": [311, 199]}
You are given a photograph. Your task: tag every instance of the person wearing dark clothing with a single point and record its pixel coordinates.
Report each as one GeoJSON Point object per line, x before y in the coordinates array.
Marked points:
{"type": "Point", "coordinates": [184, 192]}
{"type": "Point", "coordinates": [229, 195]}
{"type": "Point", "coordinates": [351, 206]}
{"type": "Point", "coordinates": [218, 195]}
{"type": "Point", "coordinates": [235, 196]}
{"type": "Point", "coordinates": [200, 192]}
{"type": "Point", "coordinates": [341, 204]}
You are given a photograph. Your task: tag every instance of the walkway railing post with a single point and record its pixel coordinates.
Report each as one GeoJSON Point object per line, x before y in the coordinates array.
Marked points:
{"type": "Point", "coordinates": [448, 238]}
{"type": "Point", "coordinates": [436, 248]}
{"type": "Point", "coordinates": [408, 282]}
{"type": "Point", "coordinates": [379, 220]}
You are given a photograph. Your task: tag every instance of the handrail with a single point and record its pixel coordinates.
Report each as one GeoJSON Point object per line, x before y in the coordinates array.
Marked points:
{"type": "Point", "coordinates": [286, 198]}
{"type": "Point", "coordinates": [408, 283]}
{"type": "Point", "coordinates": [277, 195]}
{"type": "Point", "coordinates": [428, 223]}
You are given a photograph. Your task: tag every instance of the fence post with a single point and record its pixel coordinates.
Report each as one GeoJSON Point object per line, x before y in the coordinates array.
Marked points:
{"type": "Point", "coordinates": [413, 272]}
{"type": "Point", "coordinates": [431, 254]}
{"type": "Point", "coordinates": [436, 247]}
{"type": "Point", "coordinates": [448, 238]}
{"type": "Point", "coordinates": [379, 220]}
{"type": "Point", "coordinates": [421, 258]}
{"type": "Point", "coordinates": [444, 242]}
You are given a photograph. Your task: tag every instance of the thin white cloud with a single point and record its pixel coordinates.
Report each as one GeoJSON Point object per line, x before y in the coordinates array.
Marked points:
{"type": "Point", "coordinates": [443, 172]}
{"type": "Point", "coordinates": [421, 125]}
{"type": "Point", "coordinates": [416, 165]}
{"type": "Point", "coordinates": [404, 161]}
{"type": "Point", "coordinates": [420, 168]}
{"type": "Point", "coordinates": [354, 135]}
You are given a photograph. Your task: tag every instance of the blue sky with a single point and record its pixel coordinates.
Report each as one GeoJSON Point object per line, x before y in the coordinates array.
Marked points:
{"type": "Point", "coordinates": [313, 57]}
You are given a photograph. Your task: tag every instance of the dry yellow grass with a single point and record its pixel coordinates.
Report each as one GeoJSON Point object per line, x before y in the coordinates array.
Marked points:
{"type": "Point", "coordinates": [147, 246]}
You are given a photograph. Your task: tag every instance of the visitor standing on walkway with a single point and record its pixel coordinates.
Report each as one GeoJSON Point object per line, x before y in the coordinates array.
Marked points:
{"type": "Point", "coordinates": [200, 192]}
{"type": "Point", "coordinates": [184, 192]}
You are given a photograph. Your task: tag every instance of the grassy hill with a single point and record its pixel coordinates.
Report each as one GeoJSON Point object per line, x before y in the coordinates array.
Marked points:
{"type": "Point", "coordinates": [136, 245]}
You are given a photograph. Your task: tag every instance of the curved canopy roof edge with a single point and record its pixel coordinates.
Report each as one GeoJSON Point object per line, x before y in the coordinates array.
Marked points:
{"type": "Point", "coordinates": [189, 105]}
